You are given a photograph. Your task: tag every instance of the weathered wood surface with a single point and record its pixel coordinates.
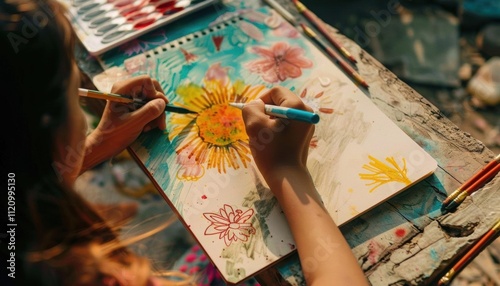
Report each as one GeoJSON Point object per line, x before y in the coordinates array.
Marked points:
{"type": "Point", "coordinates": [407, 240]}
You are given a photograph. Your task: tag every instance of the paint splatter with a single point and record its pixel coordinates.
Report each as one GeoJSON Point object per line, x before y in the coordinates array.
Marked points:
{"type": "Point", "coordinates": [374, 251]}
{"type": "Point", "coordinates": [400, 232]}
{"type": "Point", "coordinates": [434, 255]}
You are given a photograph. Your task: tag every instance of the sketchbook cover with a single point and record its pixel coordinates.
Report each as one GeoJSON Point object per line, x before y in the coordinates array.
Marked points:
{"type": "Point", "coordinates": [202, 164]}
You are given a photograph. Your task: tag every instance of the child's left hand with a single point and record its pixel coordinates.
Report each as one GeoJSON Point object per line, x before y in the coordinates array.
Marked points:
{"type": "Point", "coordinates": [120, 124]}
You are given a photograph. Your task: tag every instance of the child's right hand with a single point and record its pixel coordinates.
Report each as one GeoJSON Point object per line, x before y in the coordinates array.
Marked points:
{"type": "Point", "coordinates": [278, 145]}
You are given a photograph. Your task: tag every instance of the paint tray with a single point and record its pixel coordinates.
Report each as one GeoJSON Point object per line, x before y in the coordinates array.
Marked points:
{"type": "Point", "coordinates": [105, 24]}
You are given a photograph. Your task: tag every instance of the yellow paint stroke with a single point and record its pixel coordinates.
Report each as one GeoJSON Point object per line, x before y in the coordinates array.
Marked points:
{"type": "Point", "coordinates": [216, 134]}
{"type": "Point", "coordinates": [381, 173]}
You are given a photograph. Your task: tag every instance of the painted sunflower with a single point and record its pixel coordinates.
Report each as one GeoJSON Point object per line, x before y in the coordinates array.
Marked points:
{"type": "Point", "coordinates": [216, 134]}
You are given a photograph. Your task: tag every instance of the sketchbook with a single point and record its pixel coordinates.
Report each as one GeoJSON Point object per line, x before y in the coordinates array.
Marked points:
{"type": "Point", "coordinates": [202, 164]}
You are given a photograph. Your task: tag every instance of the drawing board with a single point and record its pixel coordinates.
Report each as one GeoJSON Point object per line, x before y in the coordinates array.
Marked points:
{"type": "Point", "coordinates": [202, 163]}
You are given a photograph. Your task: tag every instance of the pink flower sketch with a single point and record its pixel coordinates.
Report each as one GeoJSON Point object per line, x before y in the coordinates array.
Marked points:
{"type": "Point", "coordinates": [217, 72]}
{"type": "Point", "coordinates": [231, 225]}
{"type": "Point", "coordinates": [189, 168]}
{"type": "Point", "coordinates": [279, 62]}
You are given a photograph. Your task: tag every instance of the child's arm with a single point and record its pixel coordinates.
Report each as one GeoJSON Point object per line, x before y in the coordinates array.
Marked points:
{"type": "Point", "coordinates": [120, 126]}
{"type": "Point", "coordinates": [280, 149]}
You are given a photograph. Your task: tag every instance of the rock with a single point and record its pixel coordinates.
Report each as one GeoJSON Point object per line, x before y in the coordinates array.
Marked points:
{"type": "Point", "coordinates": [485, 84]}
{"type": "Point", "coordinates": [488, 40]}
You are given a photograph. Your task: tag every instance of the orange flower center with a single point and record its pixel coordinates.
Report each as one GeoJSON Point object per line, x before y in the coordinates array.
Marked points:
{"type": "Point", "coordinates": [221, 125]}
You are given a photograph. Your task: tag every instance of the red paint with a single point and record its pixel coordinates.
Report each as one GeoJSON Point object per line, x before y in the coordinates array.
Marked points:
{"type": "Point", "coordinates": [217, 41]}
{"type": "Point", "coordinates": [145, 23]}
{"type": "Point", "coordinates": [319, 95]}
{"type": "Point", "coordinates": [400, 232]}
{"type": "Point", "coordinates": [188, 56]}
{"type": "Point", "coordinates": [162, 8]}
{"type": "Point", "coordinates": [374, 251]}
{"type": "Point", "coordinates": [304, 92]}
{"type": "Point", "coordinates": [203, 197]}
{"type": "Point", "coordinates": [173, 10]}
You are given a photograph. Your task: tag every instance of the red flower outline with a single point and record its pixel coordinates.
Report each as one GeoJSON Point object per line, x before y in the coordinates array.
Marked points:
{"type": "Point", "coordinates": [231, 225]}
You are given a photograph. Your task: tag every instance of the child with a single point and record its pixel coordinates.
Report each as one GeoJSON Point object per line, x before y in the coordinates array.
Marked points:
{"type": "Point", "coordinates": [60, 238]}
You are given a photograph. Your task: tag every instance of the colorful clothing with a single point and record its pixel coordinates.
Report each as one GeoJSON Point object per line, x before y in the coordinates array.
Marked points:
{"type": "Point", "coordinates": [196, 262]}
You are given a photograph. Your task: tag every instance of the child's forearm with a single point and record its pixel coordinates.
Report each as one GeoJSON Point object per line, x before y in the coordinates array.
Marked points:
{"type": "Point", "coordinates": [324, 254]}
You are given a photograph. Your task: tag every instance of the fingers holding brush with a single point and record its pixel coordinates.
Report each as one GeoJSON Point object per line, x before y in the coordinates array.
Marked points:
{"type": "Point", "coordinates": [146, 91]}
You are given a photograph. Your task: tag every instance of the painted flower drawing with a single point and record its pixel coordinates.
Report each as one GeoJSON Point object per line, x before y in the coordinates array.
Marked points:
{"type": "Point", "coordinates": [189, 169]}
{"type": "Point", "coordinates": [279, 62]}
{"type": "Point", "coordinates": [215, 135]}
{"type": "Point", "coordinates": [231, 225]}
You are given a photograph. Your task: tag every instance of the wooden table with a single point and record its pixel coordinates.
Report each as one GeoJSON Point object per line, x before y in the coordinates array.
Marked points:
{"type": "Point", "coordinates": [407, 240]}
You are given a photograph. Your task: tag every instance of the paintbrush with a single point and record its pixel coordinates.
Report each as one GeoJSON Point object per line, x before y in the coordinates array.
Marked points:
{"type": "Point", "coordinates": [122, 99]}
{"type": "Point", "coordinates": [304, 11]}
{"type": "Point", "coordinates": [286, 112]}
{"type": "Point", "coordinates": [472, 185]}
{"type": "Point", "coordinates": [282, 11]}
{"type": "Point", "coordinates": [484, 241]}
{"type": "Point", "coordinates": [334, 55]}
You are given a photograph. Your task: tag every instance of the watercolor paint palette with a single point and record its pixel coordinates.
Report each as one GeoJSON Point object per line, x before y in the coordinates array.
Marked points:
{"type": "Point", "coordinates": [104, 24]}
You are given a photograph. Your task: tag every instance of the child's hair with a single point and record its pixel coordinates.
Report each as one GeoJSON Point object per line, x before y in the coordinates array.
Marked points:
{"type": "Point", "coordinates": [60, 238]}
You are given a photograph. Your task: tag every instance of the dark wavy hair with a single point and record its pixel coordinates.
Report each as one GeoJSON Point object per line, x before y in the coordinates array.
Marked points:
{"type": "Point", "coordinates": [60, 239]}
{"type": "Point", "coordinates": [36, 63]}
